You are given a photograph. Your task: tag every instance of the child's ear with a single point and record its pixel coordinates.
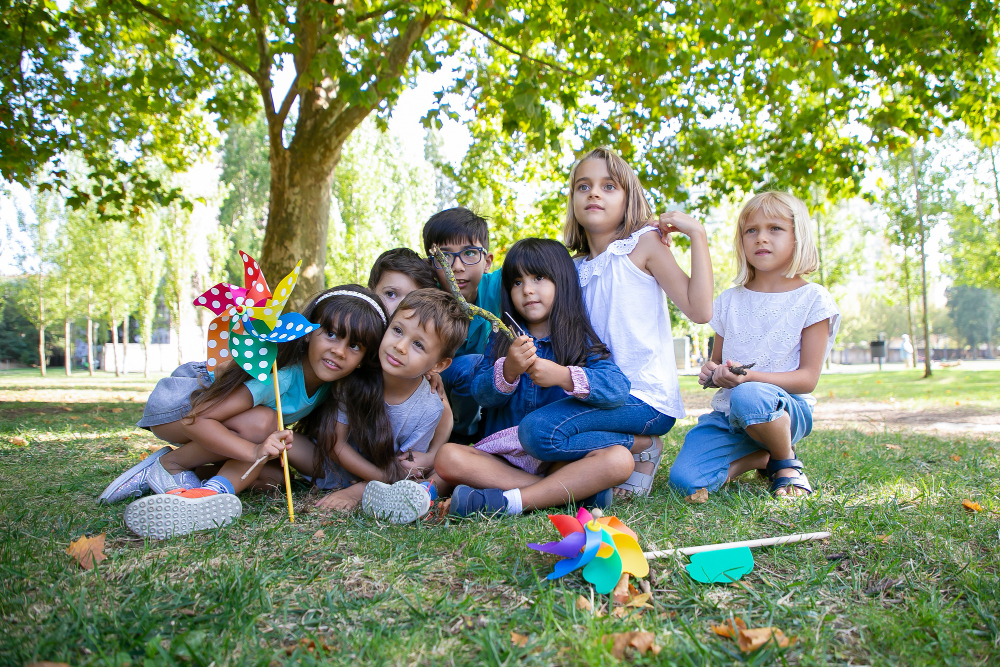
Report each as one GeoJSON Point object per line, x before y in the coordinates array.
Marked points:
{"type": "Point", "coordinates": [441, 365]}
{"type": "Point", "coordinates": [489, 262]}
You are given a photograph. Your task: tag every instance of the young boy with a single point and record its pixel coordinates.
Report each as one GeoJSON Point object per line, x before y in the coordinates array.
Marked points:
{"type": "Point", "coordinates": [464, 237]}
{"type": "Point", "coordinates": [398, 272]}
{"type": "Point", "coordinates": [422, 336]}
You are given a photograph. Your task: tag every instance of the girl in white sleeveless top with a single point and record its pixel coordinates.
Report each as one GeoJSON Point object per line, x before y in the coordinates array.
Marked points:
{"type": "Point", "coordinates": [782, 325]}
{"type": "Point", "coordinates": [627, 271]}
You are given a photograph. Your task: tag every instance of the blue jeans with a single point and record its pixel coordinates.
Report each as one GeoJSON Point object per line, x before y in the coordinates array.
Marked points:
{"type": "Point", "coordinates": [717, 441]}
{"type": "Point", "coordinates": [457, 379]}
{"type": "Point", "coordinates": [568, 429]}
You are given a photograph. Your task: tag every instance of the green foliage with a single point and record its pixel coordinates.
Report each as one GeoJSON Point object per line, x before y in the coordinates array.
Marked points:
{"type": "Point", "coordinates": [975, 312]}
{"type": "Point", "coordinates": [975, 225]}
{"type": "Point", "coordinates": [18, 336]}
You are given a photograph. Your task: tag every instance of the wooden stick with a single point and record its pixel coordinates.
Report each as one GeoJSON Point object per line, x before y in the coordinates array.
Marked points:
{"type": "Point", "coordinates": [765, 542]}
{"type": "Point", "coordinates": [250, 469]}
{"type": "Point", "coordinates": [284, 452]}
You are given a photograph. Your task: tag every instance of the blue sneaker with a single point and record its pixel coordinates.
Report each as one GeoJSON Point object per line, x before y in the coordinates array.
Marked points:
{"type": "Point", "coordinates": [601, 499]}
{"type": "Point", "coordinates": [133, 482]}
{"type": "Point", "coordinates": [466, 501]}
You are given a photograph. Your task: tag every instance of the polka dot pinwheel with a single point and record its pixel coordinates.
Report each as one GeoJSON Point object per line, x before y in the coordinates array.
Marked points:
{"type": "Point", "coordinates": [247, 329]}
{"type": "Point", "coordinates": [248, 325]}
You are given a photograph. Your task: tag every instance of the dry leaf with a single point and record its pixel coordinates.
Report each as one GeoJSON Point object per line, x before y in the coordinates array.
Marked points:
{"type": "Point", "coordinates": [88, 551]}
{"type": "Point", "coordinates": [19, 441]}
{"type": "Point", "coordinates": [883, 538]}
{"type": "Point", "coordinates": [67, 409]}
{"type": "Point", "coordinates": [74, 416]}
{"type": "Point", "coordinates": [698, 497]}
{"type": "Point", "coordinates": [730, 629]}
{"type": "Point", "coordinates": [84, 425]}
{"type": "Point", "coordinates": [640, 641]}
{"type": "Point", "coordinates": [142, 457]}
{"type": "Point", "coordinates": [319, 534]}
{"type": "Point", "coordinates": [896, 447]}
{"type": "Point", "coordinates": [754, 638]}
{"type": "Point", "coordinates": [955, 457]}
{"type": "Point", "coordinates": [309, 646]}
{"type": "Point", "coordinates": [972, 506]}
{"type": "Point", "coordinates": [583, 604]}
{"type": "Point", "coordinates": [620, 594]}
{"type": "Point", "coordinates": [641, 600]}
{"type": "Point", "coordinates": [117, 409]}
{"type": "Point", "coordinates": [518, 640]}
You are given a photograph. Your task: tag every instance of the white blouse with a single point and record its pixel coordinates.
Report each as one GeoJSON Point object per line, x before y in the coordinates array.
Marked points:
{"type": "Point", "coordinates": [765, 328]}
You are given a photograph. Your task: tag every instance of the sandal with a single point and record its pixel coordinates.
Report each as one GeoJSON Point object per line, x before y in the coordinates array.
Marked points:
{"type": "Point", "coordinates": [800, 481]}
{"type": "Point", "coordinates": [640, 483]}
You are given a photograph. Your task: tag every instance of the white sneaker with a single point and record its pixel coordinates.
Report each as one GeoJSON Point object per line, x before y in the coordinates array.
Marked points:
{"type": "Point", "coordinates": [403, 502]}
{"type": "Point", "coordinates": [167, 515]}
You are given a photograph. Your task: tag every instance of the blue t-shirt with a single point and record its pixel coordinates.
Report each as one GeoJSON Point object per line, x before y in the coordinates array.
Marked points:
{"type": "Point", "coordinates": [487, 298]}
{"type": "Point", "coordinates": [295, 402]}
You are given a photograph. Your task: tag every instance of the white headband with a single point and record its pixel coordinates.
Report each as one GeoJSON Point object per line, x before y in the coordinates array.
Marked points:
{"type": "Point", "coordinates": [344, 292]}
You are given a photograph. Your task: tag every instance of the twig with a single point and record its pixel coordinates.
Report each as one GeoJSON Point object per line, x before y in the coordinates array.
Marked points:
{"type": "Point", "coordinates": [735, 370]}
{"type": "Point", "coordinates": [765, 542]}
{"type": "Point", "coordinates": [469, 309]}
{"type": "Point", "coordinates": [250, 469]}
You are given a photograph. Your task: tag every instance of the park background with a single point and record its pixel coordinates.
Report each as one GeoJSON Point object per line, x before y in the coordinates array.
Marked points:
{"type": "Point", "coordinates": [143, 143]}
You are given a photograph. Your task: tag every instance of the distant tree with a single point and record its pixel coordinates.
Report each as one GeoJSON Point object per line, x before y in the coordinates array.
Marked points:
{"type": "Point", "coordinates": [178, 237]}
{"type": "Point", "coordinates": [975, 312]}
{"type": "Point", "coordinates": [146, 242]}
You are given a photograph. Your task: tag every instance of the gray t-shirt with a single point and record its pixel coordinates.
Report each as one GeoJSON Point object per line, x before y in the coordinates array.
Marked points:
{"type": "Point", "coordinates": [414, 420]}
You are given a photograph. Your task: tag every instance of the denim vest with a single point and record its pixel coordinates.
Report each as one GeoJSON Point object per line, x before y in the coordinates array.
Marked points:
{"type": "Point", "coordinates": [608, 389]}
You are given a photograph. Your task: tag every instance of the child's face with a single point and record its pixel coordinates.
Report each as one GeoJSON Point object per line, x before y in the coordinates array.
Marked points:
{"type": "Point", "coordinates": [409, 348]}
{"type": "Point", "coordinates": [533, 297]}
{"type": "Point", "coordinates": [769, 243]}
{"type": "Point", "coordinates": [332, 357]}
{"type": "Point", "coordinates": [392, 287]}
{"type": "Point", "coordinates": [466, 275]}
{"type": "Point", "coordinates": [598, 202]}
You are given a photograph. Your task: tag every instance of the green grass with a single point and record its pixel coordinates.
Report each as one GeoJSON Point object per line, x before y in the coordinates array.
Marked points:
{"type": "Point", "coordinates": [452, 592]}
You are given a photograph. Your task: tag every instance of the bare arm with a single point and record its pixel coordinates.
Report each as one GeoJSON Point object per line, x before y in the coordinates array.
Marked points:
{"type": "Point", "coordinates": [352, 461]}
{"type": "Point", "coordinates": [802, 380]}
{"type": "Point", "coordinates": [209, 431]}
{"type": "Point", "coordinates": [692, 294]}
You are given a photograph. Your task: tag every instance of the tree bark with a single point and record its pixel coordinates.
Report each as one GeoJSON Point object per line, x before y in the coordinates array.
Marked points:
{"type": "Point", "coordinates": [923, 263]}
{"type": "Point", "coordinates": [69, 336]}
{"type": "Point", "coordinates": [125, 343]}
{"type": "Point", "coordinates": [41, 348]}
{"type": "Point", "coordinates": [909, 307]}
{"type": "Point", "coordinates": [90, 330]}
{"type": "Point", "coordinates": [114, 345]}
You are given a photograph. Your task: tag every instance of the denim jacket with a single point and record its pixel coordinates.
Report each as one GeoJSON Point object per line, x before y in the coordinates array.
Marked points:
{"type": "Point", "coordinates": [608, 389]}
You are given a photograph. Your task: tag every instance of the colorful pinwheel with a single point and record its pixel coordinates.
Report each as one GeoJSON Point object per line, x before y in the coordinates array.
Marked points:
{"type": "Point", "coordinates": [605, 548]}
{"type": "Point", "coordinates": [248, 327]}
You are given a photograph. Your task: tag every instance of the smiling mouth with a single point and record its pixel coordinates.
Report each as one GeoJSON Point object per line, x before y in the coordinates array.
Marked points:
{"type": "Point", "coordinates": [528, 304]}
{"type": "Point", "coordinates": [332, 365]}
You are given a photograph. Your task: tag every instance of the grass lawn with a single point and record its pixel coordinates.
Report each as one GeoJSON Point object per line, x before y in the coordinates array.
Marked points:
{"type": "Point", "coordinates": [909, 577]}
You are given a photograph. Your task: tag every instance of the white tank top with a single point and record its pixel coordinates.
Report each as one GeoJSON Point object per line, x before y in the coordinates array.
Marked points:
{"type": "Point", "coordinates": [629, 312]}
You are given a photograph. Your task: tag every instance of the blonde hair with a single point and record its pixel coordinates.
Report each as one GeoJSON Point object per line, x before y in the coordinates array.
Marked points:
{"type": "Point", "coordinates": [805, 259]}
{"type": "Point", "coordinates": [637, 208]}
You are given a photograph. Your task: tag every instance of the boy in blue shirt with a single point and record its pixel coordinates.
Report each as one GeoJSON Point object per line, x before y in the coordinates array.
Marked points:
{"type": "Point", "coordinates": [464, 238]}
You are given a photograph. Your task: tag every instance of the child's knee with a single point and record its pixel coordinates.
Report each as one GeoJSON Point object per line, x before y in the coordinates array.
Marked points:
{"type": "Point", "coordinates": [448, 461]}
{"type": "Point", "coordinates": [683, 478]}
{"type": "Point", "coordinates": [537, 437]}
{"type": "Point", "coordinates": [616, 463]}
{"type": "Point", "coordinates": [751, 400]}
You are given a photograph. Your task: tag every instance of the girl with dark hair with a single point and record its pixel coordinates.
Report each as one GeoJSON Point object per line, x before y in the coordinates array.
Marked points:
{"type": "Point", "coordinates": [230, 417]}
{"type": "Point", "coordinates": [557, 357]}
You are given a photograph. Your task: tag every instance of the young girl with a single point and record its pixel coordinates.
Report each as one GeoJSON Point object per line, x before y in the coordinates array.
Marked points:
{"type": "Point", "coordinates": [557, 359]}
{"type": "Point", "coordinates": [231, 417]}
{"type": "Point", "coordinates": [782, 325]}
{"type": "Point", "coordinates": [624, 269]}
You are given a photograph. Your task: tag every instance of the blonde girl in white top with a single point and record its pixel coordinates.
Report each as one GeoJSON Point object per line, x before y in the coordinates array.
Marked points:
{"type": "Point", "coordinates": [627, 271]}
{"type": "Point", "coordinates": [783, 325]}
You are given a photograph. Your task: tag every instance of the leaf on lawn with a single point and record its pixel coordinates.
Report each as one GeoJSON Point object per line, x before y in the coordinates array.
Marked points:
{"type": "Point", "coordinates": [972, 505]}
{"type": "Point", "coordinates": [74, 417]}
{"type": "Point", "coordinates": [319, 534]}
{"type": "Point", "coordinates": [883, 538]}
{"type": "Point", "coordinates": [620, 593]}
{"type": "Point", "coordinates": [752, 639]}
{"type": "Point", "coordinates": [640, 641]}
{"type": "Point", "coordinates": [955, 457]}
{"type": "Point", "coordinates": [730, 629]}
{"type": "Point", "coordinates": [67, 409]}
{"type": "Point", "coordinates": [698, 497]}
{"type": "Point", "coordinates": [518, 640]}
{"type": "Point", "coordinates": [117, 409]}
{"type": "Point", "coordinates": [88, 551]}
{"type": "Point", "coordinates": [309, 646]}
{"type": "Point", "coordinates": [883, 585]}
{"type": "Point", "coordinates": [19, 441]}
{"type": "Point", "coordinates": [142, 457]}
{"type": "Point", "coordinates": [583, 604]}
{"type": "Point", "coordinates": [896, 447]}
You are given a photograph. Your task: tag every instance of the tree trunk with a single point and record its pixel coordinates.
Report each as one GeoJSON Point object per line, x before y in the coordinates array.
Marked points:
{"type": "Point", "coordinates": [114, 345]}
{"type": "Point", "coordinates": [178, 325]}
{"type": "Point", "coordinates": [298, 218]}
{"type": "Point", "coordinates": [923, 263]}
{"type": "Point", "coordinates": [125, 343]}
{"type": "Point", "coordinates": [145, 348]}
{"type": "Point", "coordinates": [69, 337]}
{"type": "Point", "coordinates": [41, 348]}
{"type": "Point", "coordinates": [90, 330]}
{"type": "Point", "coordinates": [909, 308]}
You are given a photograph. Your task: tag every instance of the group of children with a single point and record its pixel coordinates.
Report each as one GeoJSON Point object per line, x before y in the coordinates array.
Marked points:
{"type": "Point", "coordinates": [396, 378]}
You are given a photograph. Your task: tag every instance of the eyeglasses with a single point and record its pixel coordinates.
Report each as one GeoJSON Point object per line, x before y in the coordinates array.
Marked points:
{"type": "Point", "coordinates": [469, 257]}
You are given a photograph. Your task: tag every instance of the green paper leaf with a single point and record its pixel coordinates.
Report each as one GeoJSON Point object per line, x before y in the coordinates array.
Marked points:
{"type": "Point", "coordinates": [722, 566]}
{"type": "Point", "coordinates": [254, 356]}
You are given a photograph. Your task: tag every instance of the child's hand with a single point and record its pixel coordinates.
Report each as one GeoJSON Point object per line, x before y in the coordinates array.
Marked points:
{"type": "Point", "coordinates": [344, 500]}
{"type": "Point", "coordinates": [725, 378]}
{"type": "Point", "coordinates": [547, 373]}
{"type": "Point", "coordinates": [675, 221]}
{"type": "Point", "coordinates": [273, 445]}
{"type": "Point", "coordinates": [437, 384]}
{"type": "Point", "coordinates": [520, 357]}
{"type": "Point", "coordinates": [706, 372]}
{"type": "Point", "coordinates": [417, 463]}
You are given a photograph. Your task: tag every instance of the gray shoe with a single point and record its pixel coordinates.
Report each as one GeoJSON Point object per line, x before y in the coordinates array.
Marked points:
{"type": "Point", "coordinates": [161, 481]}
{"type": "Point", "coordinates": [133, 482]}
{"type": "Point", "coordinates": [403, 502]}
{"type": "Point", "coordinates": [187, 479]}
{"type": "Point", "coordinates": [168, 515]}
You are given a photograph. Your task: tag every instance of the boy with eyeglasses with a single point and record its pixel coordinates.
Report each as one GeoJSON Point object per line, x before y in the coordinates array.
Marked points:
{"type": "Point", "coordinates": [464, 238]}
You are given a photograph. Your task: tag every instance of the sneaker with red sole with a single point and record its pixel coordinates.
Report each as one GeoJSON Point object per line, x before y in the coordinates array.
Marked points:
{"type": "Point", "coordinates": [180, 512]}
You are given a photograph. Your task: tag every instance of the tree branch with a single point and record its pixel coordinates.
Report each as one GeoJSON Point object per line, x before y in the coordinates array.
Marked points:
{"type": "Point", "coordinates": [509, 49]}
{"type": "Point", "coordinates": [196, 37]}
{"type": "Point", "coordinates": [264, 55]}
{"type": "Point", "coordinates": [375, 13]}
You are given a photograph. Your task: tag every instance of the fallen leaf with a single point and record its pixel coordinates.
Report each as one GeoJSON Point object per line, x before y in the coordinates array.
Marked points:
{"type": "Point", "coordinates": [518, 640]}
{"type": "Point", "coordinates": [698, 497]}
{"type": "Point", "coordinates": [117, 409]}
{"type": "Point", "coordinates": [142, 457]}
{"type": "Point", "coordinates": [883, 538]}
{"type": "Point", "coordinates": [19, 441]}
{"type": "Point", "coordinates": [67, 409]}
{"type": "Point", "coordinates": [751, 639]}
{"type": "Point", "coordinates": [955, 457]}
{"type": "Point", "coordinates": [641, 600]}
{"type": "Point", "coordinates": [730, 629]}
{"type": "Point", "coordinates": [640, 641]}
{"type": "Point", "coordinates": [88, 551]}
{"type": "Point", "coordinates": [74, 416]}
{"type": "Point", "coordinates": [883, 585]}
{"type": "Point", "coordinates": [583, 604]}
{"type": "Point", "coordinates": [84, 425]}
{"type": "Point", "coordinates": [309, 646]}
{"type": "Point", "coordinates": [972, 506]}
{"type": "Point", "coordinates": [896, 447]}
{"type": "Point", "coordinates": [319, 534]}
{"type": "Point", "coordinates": [620, 593]}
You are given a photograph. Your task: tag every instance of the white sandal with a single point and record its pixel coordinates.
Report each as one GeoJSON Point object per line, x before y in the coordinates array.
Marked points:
{"type": "Point", "coordinates": [640, 483]}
